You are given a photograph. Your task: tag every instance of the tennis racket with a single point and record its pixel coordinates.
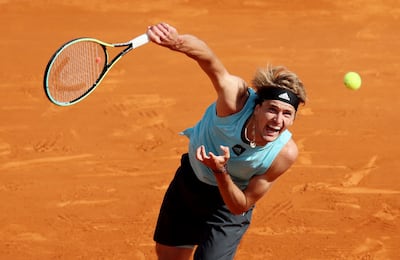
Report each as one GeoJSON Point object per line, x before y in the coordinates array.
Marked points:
{"type": "Point", "coordinates": [79, 66]}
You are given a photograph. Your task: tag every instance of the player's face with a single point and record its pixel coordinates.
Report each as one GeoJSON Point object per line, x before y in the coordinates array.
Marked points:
{"type": "Point", "coordinates": [272, 118]}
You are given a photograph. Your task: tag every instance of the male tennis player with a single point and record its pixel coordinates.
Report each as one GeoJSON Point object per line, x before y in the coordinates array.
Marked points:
{"type": "Point", "coordinates": [238, 148]}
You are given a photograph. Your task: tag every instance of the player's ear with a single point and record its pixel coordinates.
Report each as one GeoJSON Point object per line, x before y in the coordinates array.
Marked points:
{"type": "Point", "coordinates": [291, 121]}
{"type": "Point", "coordinates": [258, 104]}
{"type": "Point", "coordinates": [258, 101]}
{"type": "Point", "coordinates": [256, 110]}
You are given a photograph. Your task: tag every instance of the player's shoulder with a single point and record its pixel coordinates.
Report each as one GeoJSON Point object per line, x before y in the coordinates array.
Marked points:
{"type": "Point", "coordinates": [285, 159]}
{"type": "Point", "coordinates": [232, 96]}
{"type": "Point", "coordinates": [289, 152]}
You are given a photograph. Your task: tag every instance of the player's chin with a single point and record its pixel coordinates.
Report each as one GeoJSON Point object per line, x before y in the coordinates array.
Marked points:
{"type": "Point", "coordinates": [271, 136]}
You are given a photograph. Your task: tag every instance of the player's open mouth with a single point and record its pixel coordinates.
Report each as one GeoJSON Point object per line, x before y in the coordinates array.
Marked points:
{"type": "Point", "coordinates": [272, 129]}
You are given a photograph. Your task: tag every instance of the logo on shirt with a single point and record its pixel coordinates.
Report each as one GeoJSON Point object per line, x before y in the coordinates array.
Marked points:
{"type": "Point", "coordinates": [238, 149]}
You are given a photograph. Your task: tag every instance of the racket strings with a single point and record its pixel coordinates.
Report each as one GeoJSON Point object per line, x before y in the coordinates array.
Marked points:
{"type": "Point", "coordinates": [75, 70]}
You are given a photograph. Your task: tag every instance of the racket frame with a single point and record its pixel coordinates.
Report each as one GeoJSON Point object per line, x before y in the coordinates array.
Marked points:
{"type": "Point", "coordinates": [130, 45]}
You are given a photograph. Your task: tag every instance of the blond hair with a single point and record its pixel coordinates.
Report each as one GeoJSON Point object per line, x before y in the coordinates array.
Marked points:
{"type": "Point", "coordinates": [281, 77]}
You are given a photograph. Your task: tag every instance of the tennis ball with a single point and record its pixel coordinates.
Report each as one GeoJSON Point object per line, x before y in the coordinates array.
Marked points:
{"type": "Point", "coordinates": [352, 80]}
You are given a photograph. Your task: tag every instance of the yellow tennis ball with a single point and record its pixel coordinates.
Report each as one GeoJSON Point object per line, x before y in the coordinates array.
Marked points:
{"type": "Point", "coordinates": [352, 80]}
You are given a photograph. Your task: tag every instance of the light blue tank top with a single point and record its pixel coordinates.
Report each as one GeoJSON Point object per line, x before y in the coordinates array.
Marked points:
{"type": "Point", "coordinates": [245, 162]}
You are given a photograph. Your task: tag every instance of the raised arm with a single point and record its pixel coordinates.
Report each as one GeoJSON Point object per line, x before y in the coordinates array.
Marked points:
{"type": "Point", "coordinates": [231, 90]}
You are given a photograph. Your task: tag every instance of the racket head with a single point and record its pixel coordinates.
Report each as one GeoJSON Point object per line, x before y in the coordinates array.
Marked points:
{"type": "Point", "coordinates": [75, 70]}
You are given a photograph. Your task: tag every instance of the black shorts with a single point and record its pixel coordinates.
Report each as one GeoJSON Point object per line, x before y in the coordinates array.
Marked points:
{"type": "Point", "coordinates": [194, 213]}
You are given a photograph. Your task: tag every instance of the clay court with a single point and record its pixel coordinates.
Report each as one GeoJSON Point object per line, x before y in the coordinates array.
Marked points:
{"type": "Point", "coordinates": [86, 181]}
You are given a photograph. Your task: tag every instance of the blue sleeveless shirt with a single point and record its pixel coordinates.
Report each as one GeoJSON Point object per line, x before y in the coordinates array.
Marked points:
{"type": "Point", "coordinates": [245, 162]}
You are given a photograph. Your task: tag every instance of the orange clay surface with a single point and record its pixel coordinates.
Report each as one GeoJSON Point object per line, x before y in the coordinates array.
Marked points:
{"type": "Point", "coordinates": [86, 181]}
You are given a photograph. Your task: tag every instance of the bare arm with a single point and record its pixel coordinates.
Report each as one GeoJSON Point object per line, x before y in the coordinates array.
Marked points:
{"type": "Point", "coordinates": [231, 90]}
{"type": "Point", "coordinates": [239, 201]}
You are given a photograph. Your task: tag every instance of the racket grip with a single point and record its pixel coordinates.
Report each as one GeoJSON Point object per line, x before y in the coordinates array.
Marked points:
{"type": "Point", "coordinates": [140, 40]}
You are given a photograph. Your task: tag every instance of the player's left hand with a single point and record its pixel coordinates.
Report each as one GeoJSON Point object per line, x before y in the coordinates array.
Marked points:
{"type": "Point", "coordinates": [217, 163]}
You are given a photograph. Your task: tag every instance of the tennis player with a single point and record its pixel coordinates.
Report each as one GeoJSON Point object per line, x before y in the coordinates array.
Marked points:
{"type": "Point", "coordinates": [237, 150]}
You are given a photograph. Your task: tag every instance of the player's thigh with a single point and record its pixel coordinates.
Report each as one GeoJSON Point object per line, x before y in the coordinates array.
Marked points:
{"type": "Point", "coordinates": [224, 235]}
{"type": "Point", "coordinates": [173, 253]}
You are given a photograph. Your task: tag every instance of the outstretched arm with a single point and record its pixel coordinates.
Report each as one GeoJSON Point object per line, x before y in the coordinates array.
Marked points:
{"type": "Point", "coordinates": [231, 90]}
{"type": "Point", "coordinates": [239, 201]}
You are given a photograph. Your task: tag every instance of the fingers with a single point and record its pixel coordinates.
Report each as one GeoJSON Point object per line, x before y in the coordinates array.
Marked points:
{"type": "Point", "coordinates": [201, 153]}
{"type": "Point", "coordinates": [225, 150]}
{"type": "Point", "coordinates": [155, 34]}
{"type": "Point", "coordinates": [162, 33]}
{"type": "Point", "coordinates": [211, 160]}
